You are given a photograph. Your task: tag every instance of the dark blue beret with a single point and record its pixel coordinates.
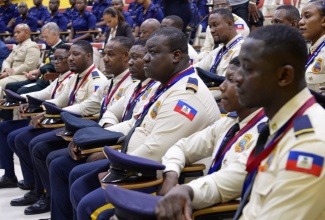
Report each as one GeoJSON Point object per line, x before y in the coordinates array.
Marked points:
{"type": "Point", "coordinates": [13, 99]}
{"type": "Point", "coordinates": [128, 168]}
{"type": "Point", "coordinates": [130, 204]}
{"type": "Point", "coordinates": [73, 123]}
{"type": "Point", "coordinates": [35, 105]}
{"type": "Point", "coordinates": [94, 137]}
{"type": "Point", "coordinates": [210, 79]}
{"type": "Point", "coordinates": [52, 114]}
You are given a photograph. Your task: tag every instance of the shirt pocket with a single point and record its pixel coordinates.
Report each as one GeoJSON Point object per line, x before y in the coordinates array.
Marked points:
{"type": "Point", "coordinates": [264, 183]}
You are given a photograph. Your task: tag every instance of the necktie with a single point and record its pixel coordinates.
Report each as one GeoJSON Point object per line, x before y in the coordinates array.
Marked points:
{"type": "Point", "coordinates": [103, 107]}
{"type": "Point", "coordinates": [230, 134]}
{"type": "Point", "coordinates": [217, 60]}
{"type": "Point", "coordinates": [260, 144]}
{"type": "Point", "coordinates": [129, 112]}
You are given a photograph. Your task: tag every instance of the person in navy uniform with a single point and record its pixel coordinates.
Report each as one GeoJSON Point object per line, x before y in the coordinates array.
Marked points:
{"type": "Point", "coordinates": [132, 9]}
{"type": "Point", "coordinates": [39, 11]}
{"type": "Point", "coordinates": [56, 16]}
{"type": "Point", "coordinates": [8, 11]}
{"type": "Point", "coordinates": [71, 12]}
{"type": "Point", "coordinates": [119, 5]}
{"type": "Point", "coordinates": [24, 17]}
{"type": "Point", "coordinates": [4, 52]}
{"type": "Point", "coordinates": [83, 22]}
{"type": "Point", "coordinates": [147, 10]}
{"type": "Point", "coordinates": [98, 9]}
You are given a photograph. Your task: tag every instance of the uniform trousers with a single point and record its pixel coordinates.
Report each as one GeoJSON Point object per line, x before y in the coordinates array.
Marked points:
{"type": "Point", "coordinates": [6, 154]}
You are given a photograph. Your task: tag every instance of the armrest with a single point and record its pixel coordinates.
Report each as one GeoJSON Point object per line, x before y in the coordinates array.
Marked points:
{"type": "Point", "coordinates": [51, 76]}
{"type": "Point", "coordinates": [224, 210]}
{"type": "Point", "coordinates": [194, 170]}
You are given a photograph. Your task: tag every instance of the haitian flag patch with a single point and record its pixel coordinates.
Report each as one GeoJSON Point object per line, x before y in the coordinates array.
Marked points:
{"type": "Point", "coordinates": [185, 109]}
{"type": "Point", "coordinates": [305, 163]}
{"type": "Point", "coordinates": [239, 26]}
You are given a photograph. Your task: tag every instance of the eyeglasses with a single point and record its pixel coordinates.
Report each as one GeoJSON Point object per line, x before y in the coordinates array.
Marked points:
{"type": "Point", "coordinates": [59, 59]}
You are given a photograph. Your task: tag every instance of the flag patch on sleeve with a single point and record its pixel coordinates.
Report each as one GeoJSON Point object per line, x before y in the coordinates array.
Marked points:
{"type": "Point", "coordinates": [239, 26]}
{"type": "Point", "coordinates": [185, 109]}
{"type": "Point", "coordinates": [305, 163]}
{"type": "Point", "coordinates": [96, 87]}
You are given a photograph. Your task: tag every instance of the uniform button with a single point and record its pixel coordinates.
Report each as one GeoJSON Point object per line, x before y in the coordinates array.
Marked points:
{"type": "Point", "coordinates": [274, 126]}
{"type": "Point", "coordinates": [310, 78]}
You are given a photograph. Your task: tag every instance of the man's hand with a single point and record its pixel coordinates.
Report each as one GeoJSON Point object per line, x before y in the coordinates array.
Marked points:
{"type": "Point", "coordinates": [252, 11]}
{"type": "Point", "coordinates": [176, 204]}
{"type": "Point", "coordinates": [170, 180]}
{"type": "Point", "coordinates": [2, 101]}
{"type": "Point", "coordinates": [96, 156]}
{"type": "Point", "coordinates": [32, 75]}
{"type": "Point", "coordinates": [23, 107]}
{"type": "Point", "coordinates": [74, 151]}
{"type": "Point", "coordinates": [4, 75]}
{"type": "Point", "coordinates": [37, 120]}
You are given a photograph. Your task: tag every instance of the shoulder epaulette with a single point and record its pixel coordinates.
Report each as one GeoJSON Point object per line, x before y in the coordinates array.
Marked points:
{"type": "Point", "coordinates": [192, 84]}
{"type": "Point", "coordinates": [232, 115]}
{"type": "Point", "coordinates": [302, 125]}
{"type": "Point", "coordinates": [95, 74]}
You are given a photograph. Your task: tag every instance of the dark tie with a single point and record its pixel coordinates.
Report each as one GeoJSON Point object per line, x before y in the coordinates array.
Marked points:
{"type": "Point", "coordinates": [259, 147]}
{"type": "Point", "coordinates": [230, 134]}
{"type": "Point", "coordinates": [103, 107]}
{"type": "Point", "coordinates": [217, 60]}
{"type": "Point", "coordinates": [129, 112]}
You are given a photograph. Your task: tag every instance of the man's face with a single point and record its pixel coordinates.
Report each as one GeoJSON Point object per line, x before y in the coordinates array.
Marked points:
{"type": "Point", "coordinates": [117, 5]}
{"type": "Point", "coordinates": [78, 59]}
{"type": "Point", "coordinates": [50, 38]}
{"type": "Point", "coordinates": [280, 17]}
{"type": "Point", "coordinates": [22, 8]}
{"type": "Point", "coordinates": [229, 98]}
{"type": "Point", "coordinates": [145, 31]}
{"type": "Point", "coordinates": [20, 34]}
{"type": "Point", "coordinates": [158, 59]}
{"type": "Point", "coordinates": [166, 23]}
{"type": "Point", "coordinates": [115, 58]}
{"type": "Point", "coordinates": [37, 2]}
{"type": "Point", "coordinates": [136, 62]}
{"type": "Point", "coordinates": [256, 77]}
{"type": "Point", "coordinates": [221, 4]}
{"type": "Point", "coordinates": [219, 28]}
{"type": "Point", "coordinates": [60, 60]}
{"type": "Point", "coordinates": [53, 5]}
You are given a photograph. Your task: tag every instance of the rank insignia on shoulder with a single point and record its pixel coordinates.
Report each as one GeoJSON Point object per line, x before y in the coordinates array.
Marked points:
{"type": "Point", "coordinates": [242, 144]}
{"type": "Point", "coordinates": [119, 94]}
{"type": "Point", "coordinates": [185, 109]}
{"type": "Point", "coordinates": [155, 109]}
{"type": "Point", "coordinates": [305, 162]}
{"type": "Point", "coordinates": [302, 125]}
{"type": "Point", "coordinates": [192, 84]}
{"type": "Point", "coordinates": [317, 68]}
{"type": "Point", "coordinates": [95, 74]}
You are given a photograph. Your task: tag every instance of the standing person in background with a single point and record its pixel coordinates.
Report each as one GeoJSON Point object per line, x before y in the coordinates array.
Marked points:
{"type": "Point", "coordinates": [85, 21]}
{"type": "Point", "coordinates": [181, 8]}
{"type": "Point", "coordinates": [286, 14]}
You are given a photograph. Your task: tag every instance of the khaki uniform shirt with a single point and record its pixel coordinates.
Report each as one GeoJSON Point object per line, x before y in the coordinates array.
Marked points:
{"type": "Point", "coordinates": [163, 125]}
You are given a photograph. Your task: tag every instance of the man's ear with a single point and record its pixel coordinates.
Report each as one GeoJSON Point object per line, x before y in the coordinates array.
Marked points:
{"type": "Point", "coordinates": [126, 56]}
{"type": "Point", "coordinates": [286, 75]}
{"type": "Point", "coordinates": [177, 56]}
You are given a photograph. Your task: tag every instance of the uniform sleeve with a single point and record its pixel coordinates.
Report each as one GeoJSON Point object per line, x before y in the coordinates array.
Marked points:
{"type": "Point", "coordinates": [63, 22]}
{"type": "Point", "coordinates": [31, 60]}
{"type": "Point", "coordinates": [191, 149]}
{"type": "Point", "coordinates": [170, 126]}
{"type": "Point", "coordinates": [63, 99]}
{"type": "Point", "coordinates": [123, 127]}
{"type": "Point", "coordinates": [221, 186]}
{"type": "Point", "coordinates": [7, 62]}
{"type": "Point", "coordinates": [207, 61]}
{"type": "Point", "coordinates": [92, 21]}
{"type": "Point", "coordinates": [292, 188]}
{"type": "Point", "coordinates": [44, 94]}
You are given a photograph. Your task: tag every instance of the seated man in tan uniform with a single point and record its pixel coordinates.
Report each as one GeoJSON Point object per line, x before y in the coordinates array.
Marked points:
{"type": "Point", "coordinates": [23, 58]}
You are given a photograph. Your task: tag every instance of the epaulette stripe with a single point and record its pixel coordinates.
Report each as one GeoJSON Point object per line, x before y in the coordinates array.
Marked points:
{"type": "Point", "coordinates": [191, 86]}
{"type": "Point", "coordinates": [304, 131]}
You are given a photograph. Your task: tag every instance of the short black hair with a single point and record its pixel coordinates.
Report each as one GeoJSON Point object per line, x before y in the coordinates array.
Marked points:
{"type": "Point", "coordinates": [85, 45]}
{"type": "Point", "coordinates": [177, 21]}
{"type": "Point", "coordinates": [235, 61]}
{"type": "Point", "coordinates": [291, 11]}
{"type": "Point", "coordinates": [124, 42]}
{"type": "Point", "coordinates": [285, 44]}
{"type": "Point", "coordinates": [64, 47]}
{"type": "Point", "coordinates": [177, 40]}
{"type": "Point", "coordinates": [320, 6]}
{"type": "Point", "coordinates": [141, 42]}
{"type": "Point", "coordinates": [225, 13]}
